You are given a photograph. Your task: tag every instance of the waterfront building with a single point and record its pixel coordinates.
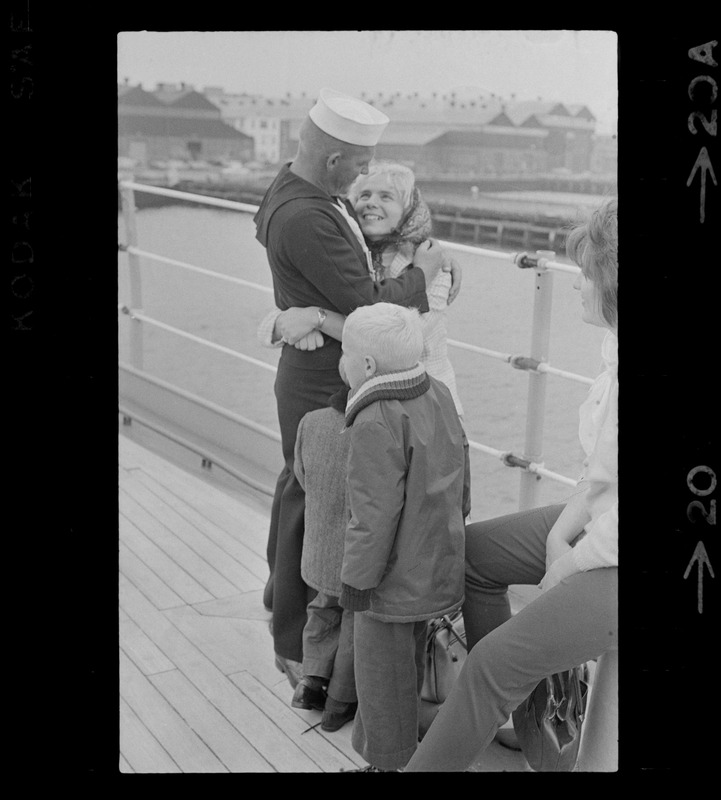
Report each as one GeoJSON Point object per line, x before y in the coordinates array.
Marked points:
{"type": "Point", "coordinates": [568, 131]}
{"type": "Point", "coordinates": [466, 133]}
{"type": "Point", "coordinates": [175, 122]}
{"type": "Point", "coordinates": [272, 123]}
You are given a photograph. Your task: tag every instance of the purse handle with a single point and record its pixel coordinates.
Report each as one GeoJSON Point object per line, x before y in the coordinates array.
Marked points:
{"type": "Point", "coordinates": [448, 624]}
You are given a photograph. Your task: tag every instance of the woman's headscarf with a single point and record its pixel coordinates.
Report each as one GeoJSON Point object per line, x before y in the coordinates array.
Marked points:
{"type": "Point", "coordinates": [413, 228]}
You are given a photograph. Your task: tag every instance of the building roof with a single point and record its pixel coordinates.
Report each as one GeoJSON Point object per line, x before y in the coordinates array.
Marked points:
{"type": "Point", "coordinates": [400, 133]}
{"type": "Point", "coordinates": [202, 128]}
{"type": "Point", "coordinates": [136, 96]}
{"type": "Point", "coordinates": [570, 123]}
{"type": "Point", "coordinates": [243, 106]}
{"type": "Point", "coordinates": [440, 112]}
{"type": "Point", "coordinates": [506, 137]}
{"type": "Point", "coordinates": [522, 110]}
{"type": "Point", "coordinates": [581, 111]}
{"type": "Point", "coordinates": [195, 100]}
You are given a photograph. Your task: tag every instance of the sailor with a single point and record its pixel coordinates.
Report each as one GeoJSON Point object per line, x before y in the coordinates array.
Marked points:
{"type": "Point", "coordinates": [318, 257]}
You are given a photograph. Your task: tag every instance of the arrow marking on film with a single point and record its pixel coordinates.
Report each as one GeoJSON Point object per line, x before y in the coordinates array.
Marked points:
{"type": "Point", "coordinates": [703, 162]}
{"type": "Point", "coordinates": [699, 555]}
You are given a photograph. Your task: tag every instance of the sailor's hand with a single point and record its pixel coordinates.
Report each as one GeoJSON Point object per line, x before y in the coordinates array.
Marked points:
{"type": "Point", "coordinates": [310, 341]}
{"type": "Point", "coordinates": [429, 258]}
{"type": "Point", "coordinates": [451, 265]}
{"type": "Point", "coordinates": [295, 323]}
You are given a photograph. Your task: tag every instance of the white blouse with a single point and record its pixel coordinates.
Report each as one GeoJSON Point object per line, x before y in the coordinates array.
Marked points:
{"type": "Point", "coordinates": [598, 432]}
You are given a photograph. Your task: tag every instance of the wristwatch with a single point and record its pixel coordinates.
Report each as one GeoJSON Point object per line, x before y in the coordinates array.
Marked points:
{"type": "Point", "coordinates": [322, 314]}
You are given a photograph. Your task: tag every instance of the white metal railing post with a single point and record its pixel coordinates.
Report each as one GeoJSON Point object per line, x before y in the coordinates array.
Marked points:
{"type": "Point", "coordinates": [127, 196]}
{"type": "Point", "coordinates": [536, 404]}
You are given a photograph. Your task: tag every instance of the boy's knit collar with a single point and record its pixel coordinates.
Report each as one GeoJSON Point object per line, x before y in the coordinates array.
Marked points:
{"type": "Point", "coordinates": [402, 385]}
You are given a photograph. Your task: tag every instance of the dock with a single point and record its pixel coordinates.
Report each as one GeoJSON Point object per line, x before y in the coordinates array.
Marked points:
{"type": "Point", "coordinates": [199, 692]}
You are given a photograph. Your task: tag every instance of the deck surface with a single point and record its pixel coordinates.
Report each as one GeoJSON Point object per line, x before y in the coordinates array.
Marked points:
{"type": "Point", "coordinates": [199, 691]}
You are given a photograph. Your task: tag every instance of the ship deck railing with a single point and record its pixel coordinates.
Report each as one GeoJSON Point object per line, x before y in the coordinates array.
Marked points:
{"type": "Point", "coordinates": [541, 263]}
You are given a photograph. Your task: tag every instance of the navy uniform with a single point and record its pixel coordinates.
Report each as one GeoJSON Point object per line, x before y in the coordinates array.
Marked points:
{"type": "Point", "coordinates": [316, 259]}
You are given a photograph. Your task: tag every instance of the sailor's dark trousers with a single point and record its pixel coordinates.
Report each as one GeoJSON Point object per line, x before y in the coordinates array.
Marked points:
{"type": "Point", "coordinates": [297, 391]}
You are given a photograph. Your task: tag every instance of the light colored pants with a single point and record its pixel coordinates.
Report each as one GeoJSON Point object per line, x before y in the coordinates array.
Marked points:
{"type": "Point", "coordinates": [574, 622]}
{"type": "Point", "coordinates": [389, 663]}
{"type": "Point", "coordinates": [328, 646]}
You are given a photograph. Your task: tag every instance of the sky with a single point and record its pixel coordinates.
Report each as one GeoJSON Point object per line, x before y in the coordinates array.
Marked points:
{"type": "Point", "coordinates": [565, 66]}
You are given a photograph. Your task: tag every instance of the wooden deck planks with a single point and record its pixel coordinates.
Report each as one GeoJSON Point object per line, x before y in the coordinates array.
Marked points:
{"type": "Point", "coordinates": [227, 744]}
{"type": "Point", "coordinates": [124, 767]}
{"type": "Point", "coordinates": [229, 576]}
{"type": "Point", "coordinates": [322, 750]}
{"type": "Point", "coordinates": [261, 732]}
{"type": "Point", "coordinates": [162, 564]}
{"type": "Point", "coordinates": [231, 644]}
{"type": "Point", "coordinates": [174, 547]}
{"type": "Point", "coordinates": [250, 527]}
{"type": "Point", "coordinates": [153, 587]}
{"type": "Point", "coordinates": [139, 748]}
{"type": "Point", "coordinates": [340, 739]}
{"type": "Point", "coordinates": [250, 571]}
{"type": "Point", "coordinates": [181, 743]}
{"type": "Point", "coordinates": [142, 650]}
{"type": "Point", "coordinates": [199, 690]}
{"type": "Point", "coordinates": [248, 605]}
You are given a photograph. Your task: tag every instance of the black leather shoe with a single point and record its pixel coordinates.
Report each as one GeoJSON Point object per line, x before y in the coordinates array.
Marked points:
{"type": "Point", "coordinates": [336, 714]}
{"type": "Point", "coordinates": [309, 694]}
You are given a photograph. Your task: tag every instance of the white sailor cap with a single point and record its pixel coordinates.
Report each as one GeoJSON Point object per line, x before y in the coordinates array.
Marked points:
{"type": "Point", "coordinates": [348, 119]}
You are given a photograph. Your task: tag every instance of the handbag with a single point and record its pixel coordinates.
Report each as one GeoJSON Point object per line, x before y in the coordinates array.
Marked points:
{"type": "Point", "coordinates": [446, 651]}
{"type": "Point", "coordinates": [548, 723]}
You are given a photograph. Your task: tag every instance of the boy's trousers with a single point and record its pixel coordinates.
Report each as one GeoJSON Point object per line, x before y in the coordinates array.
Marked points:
{"type": "Point", "coordinates": [389, 665]}
{"type": "Point", "coordinates": [328, 646]}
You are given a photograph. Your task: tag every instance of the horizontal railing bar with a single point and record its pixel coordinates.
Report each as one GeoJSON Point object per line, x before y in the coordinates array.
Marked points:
{"type": "Point", "coordinates": [508, 357]}
{"type": "Point", "coordinates": [203, 453]}
{"type": "Point", "coordinates": [485, 222]}
{"type": "Point", "coordinates": [267, 289]}
{"type": "Point", "coordinates": [482, 448]}
{"type": "Point", "coordinates": [561, 373]}
{"type": "Point", "coordinates": [201, 401]}
{"type": "Point", "coordinates": [251, 208]}
{"type": "Point", "coordinates": [477, 251]}
{"type": "Point", "coordinates": [531, 467]}
{"type": "Point", "coordinates": [556, 266]}
{"type": "Point", "coordinates": [195, 198]}
{"type": "Point", "coordinates": [461, 345]}
{"type": "Point", "coordinates": [555, 476]}
{"type": "Point", "coordinates": [211, 273]}
{"type": "Point", "coordinates": [213, 345]}
{"type": "Point", "coordinates": [472, 348]}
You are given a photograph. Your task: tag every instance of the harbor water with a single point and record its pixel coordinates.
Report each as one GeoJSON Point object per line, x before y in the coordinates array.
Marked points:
{"type": "Point", "coordinates": [494, 310]}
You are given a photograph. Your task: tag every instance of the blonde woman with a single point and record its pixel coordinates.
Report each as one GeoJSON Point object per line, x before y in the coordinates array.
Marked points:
{"type": "Point", "coordinates": [394, 220]}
